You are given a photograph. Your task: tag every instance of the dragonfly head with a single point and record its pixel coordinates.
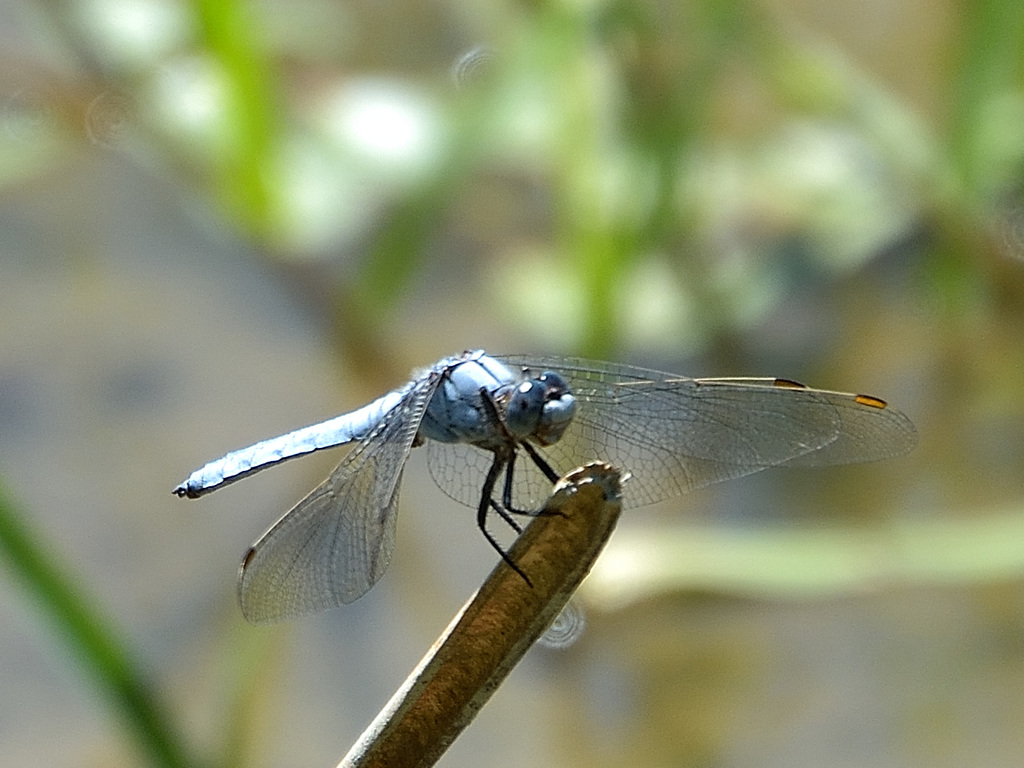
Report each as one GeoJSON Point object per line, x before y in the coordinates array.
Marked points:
{"type": "Point", "coordinates": [524, 409]}
{"type": "Point", "coordinates": [540, 409]}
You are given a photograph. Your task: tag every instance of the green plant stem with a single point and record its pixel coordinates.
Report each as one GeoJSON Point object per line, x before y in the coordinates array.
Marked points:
{"type": "Point", "coordinates": [90, 639]}
{"type": "Point", "coordinates": [988, 69]}
{"type": "Point", "coordinates": [247, 171]}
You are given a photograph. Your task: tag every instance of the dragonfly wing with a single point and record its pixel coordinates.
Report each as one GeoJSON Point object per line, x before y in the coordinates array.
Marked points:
{"type": "Point", "coordinates": [337, 542]}
{"type": "Point", "coordinates": [459, 469]}
{"type": "Point", "coordinates": [868, 428]}
{"type": "Point", "coordinates": [675, 433]}
{"type": "Point", "coordinates": [871, 430]}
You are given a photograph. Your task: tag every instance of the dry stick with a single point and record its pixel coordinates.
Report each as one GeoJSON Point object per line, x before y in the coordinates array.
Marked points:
{"type": "Point", "coordinates": [496, 627]}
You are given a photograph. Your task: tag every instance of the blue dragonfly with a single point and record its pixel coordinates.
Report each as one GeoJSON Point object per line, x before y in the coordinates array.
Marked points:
{"type": "Point", "coordinates": [500, 430]}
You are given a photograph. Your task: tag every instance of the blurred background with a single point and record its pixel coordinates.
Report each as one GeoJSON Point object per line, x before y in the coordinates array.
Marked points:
{"type": "Point", "coordinates": [221, 221]}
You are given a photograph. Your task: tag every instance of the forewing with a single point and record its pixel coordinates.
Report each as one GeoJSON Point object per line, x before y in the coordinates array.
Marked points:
{"type": "Point", "coordinates": [871, 430]}
{"type": "Point", "coordinates": [337, 542]}
{"type": "Point", "coordinates": [674, 434]}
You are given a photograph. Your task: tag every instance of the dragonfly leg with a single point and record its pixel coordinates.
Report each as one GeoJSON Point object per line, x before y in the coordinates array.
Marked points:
{"type": "Point", "coordinates": [542, 465]}
{"type": "Point", "coordinates": [487, 503]}
{"type": "Point", "coordinates": [506, 496]}
{"type": "Point", "coordinates": [500, 509]}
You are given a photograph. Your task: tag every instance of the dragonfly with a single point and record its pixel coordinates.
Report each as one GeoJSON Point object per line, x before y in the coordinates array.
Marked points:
{"type": "Point", "coordinates": [500, 430]}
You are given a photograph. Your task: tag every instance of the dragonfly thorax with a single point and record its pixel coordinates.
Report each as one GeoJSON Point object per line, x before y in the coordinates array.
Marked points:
{"type": "Point", "coordinates": [477, 393]}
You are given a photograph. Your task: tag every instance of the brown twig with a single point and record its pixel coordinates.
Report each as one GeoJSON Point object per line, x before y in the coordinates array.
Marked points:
{"type": "Point", "coordinates": [496, 627]}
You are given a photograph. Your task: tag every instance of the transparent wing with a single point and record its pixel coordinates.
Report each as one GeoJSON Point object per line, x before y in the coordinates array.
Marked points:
{"type": "Point", "coordinates": [337, 542]}
{"type": "Point", "coordinates": [675, 434]}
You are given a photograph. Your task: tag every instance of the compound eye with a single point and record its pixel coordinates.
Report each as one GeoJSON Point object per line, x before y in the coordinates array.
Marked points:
{"type": "Point", "coordinates": [555, 385]}
{"type": "Point", "coordinates": [525, 407]}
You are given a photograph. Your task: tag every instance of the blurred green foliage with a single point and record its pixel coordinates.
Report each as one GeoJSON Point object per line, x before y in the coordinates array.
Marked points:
{"type": "Point", "coordinates": [682, 156]}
